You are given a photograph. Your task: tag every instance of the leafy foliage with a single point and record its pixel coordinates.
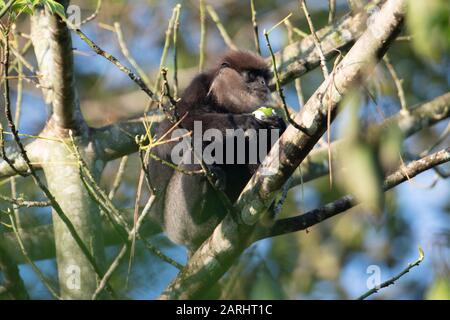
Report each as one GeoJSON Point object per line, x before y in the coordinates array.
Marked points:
{"type": "Point", "coordinates": [28, 6]}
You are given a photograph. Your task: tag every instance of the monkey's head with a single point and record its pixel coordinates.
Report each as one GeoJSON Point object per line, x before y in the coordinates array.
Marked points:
{"type": "Point", "coordinates": [240, 82]}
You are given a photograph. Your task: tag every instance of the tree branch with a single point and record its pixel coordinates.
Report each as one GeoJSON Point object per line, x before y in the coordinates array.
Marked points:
{"type": "Point", "coordinates": [293, 61]}
{"type": "Point", "coordinates": [117, 140]}
{"type": "Point", "coordinates": [53, 48]}
{"type": "Point", "coordinates": [422, 116]}
{"type": "Point", "coordinates": [76, 218]}
{"type": "Point", "coordinates": [392, 280]}
{"type": "Point", "coordinates": [19, 163]}
{"type": "Point", "coordinates": [39, 241]}
{"type": "Point", "coordinates": [229, 238]}
{"type": "Point", "coordinates": [329, 210]}
{"type": "Point", "coordinates": [315, 165]}
{"type": "Point", "coordinates": [301, 57]}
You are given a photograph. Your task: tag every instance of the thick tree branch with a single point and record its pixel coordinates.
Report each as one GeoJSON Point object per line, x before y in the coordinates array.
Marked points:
{"type": "Point", "coordinates": [53, 48]}
{"type": "Point", "coordinates": [76, 218]}
{"type": "Point", "coordinates": [117, 140]}
{"type": "Point", "coordinates": [228, 240]}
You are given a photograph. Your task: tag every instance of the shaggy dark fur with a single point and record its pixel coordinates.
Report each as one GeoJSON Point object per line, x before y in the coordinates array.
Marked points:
{"type": "Point", "coordinates": [223, 97]}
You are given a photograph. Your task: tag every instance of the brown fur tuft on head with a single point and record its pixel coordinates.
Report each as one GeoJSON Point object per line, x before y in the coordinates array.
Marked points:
{"type": "Point", "coordinates": [241, 60]}
{"type": "Point", "coordinates": [229, 88]}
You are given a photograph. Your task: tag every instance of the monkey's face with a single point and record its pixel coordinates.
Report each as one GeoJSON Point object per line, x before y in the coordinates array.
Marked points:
{"type": "Point", "coordinates": [240, 92]}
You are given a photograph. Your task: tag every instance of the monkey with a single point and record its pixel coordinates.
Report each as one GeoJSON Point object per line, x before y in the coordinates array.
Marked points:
{"type": "Point", "coordinates": [188, 206]}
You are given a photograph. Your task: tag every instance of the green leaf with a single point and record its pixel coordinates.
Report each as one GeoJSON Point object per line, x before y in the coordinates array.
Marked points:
{"type": "Point", "coordinates": [20, 5]}
{"type": "Point", "coordinates": [55, 7]}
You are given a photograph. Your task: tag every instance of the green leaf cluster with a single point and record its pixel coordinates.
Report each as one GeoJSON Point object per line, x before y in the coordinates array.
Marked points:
{"type": "Point", "coordinates": [28, 6]}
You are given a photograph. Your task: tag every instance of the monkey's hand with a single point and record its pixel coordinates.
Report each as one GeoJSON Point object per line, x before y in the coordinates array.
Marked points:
{"type": "Point", "coordinates": [272, 122]}
{"type": "Point", "coordinates": [270, 119]}
{"type": "Point", "coordinates": [264, 112]}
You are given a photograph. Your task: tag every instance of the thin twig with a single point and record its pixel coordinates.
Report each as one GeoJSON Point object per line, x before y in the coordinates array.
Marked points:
{"type": "Point", "coordinates": [24, 50]}
{"type": "Point", "coordinates": [118, 178]}
{"type": "Point", "coordinates": [331, 10]}
{"type": "Point", "coordinates": [171, 112]}
{"type": "Point", "coordinates": [330, 166]}
{"type": "Point", "coordinates": [315, 216]}
{"type": "Point", "coordinates": [135, 78]}
{"type": "Point", "coordinates": [94, 14]}
{"type": "Point", "coordinates": [202, 44]}
{"type": "Point", "coordinates": [6, 8]}
{"type": "Point", "coordinates": [19, 202]}
{"type": "Point", "coordinates": [176, 26]}
{"type": "Point", "coordinates": [116, 262]}
{"type": "Point", "coordinates": [127, 55]}
{"type": "Point", "coordinates": [162, 62]}
{"type": "Point", "coordinates": [297, 81]}
{"type": "Point", "coordinates": [395, 278]}
{"type": "Point", "coordinates": [300, 33]}
{"type": "Point", "coordinates": [21, 58]}
{"type": "Point", "coordinates": [35, 268]}
{"type": "Point", "coordinates": [397, 81]}
{"type": "Point", "coordinates": [277, 81]}
{"type": "Point", "coordinates": [323, 63]}
{"type": "Point", "coordinates": [222, 30]}
{"type": "Point", "coordinates": [148, 179]}
{"type": "Point", "coordinates": [175, 167]}
{"type": "Point", "coordinates": [142, 176]}
{"type": "Point", "coordinates": [108, 206]}
{"type": "Point", "coordinates": [255, 27]}
{"type": "Point", "coordinates": [18, 110]}
{"type": "Point", "coordinates": [278, 23]}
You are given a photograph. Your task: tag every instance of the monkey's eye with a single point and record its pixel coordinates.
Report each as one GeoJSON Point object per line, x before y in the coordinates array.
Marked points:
{"type": "Point", "coordinates": [225, 65]}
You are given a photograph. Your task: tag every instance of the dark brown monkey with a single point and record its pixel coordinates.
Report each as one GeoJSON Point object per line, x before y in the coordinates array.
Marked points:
{"type": "Point", "coordinates": [221, 98]}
